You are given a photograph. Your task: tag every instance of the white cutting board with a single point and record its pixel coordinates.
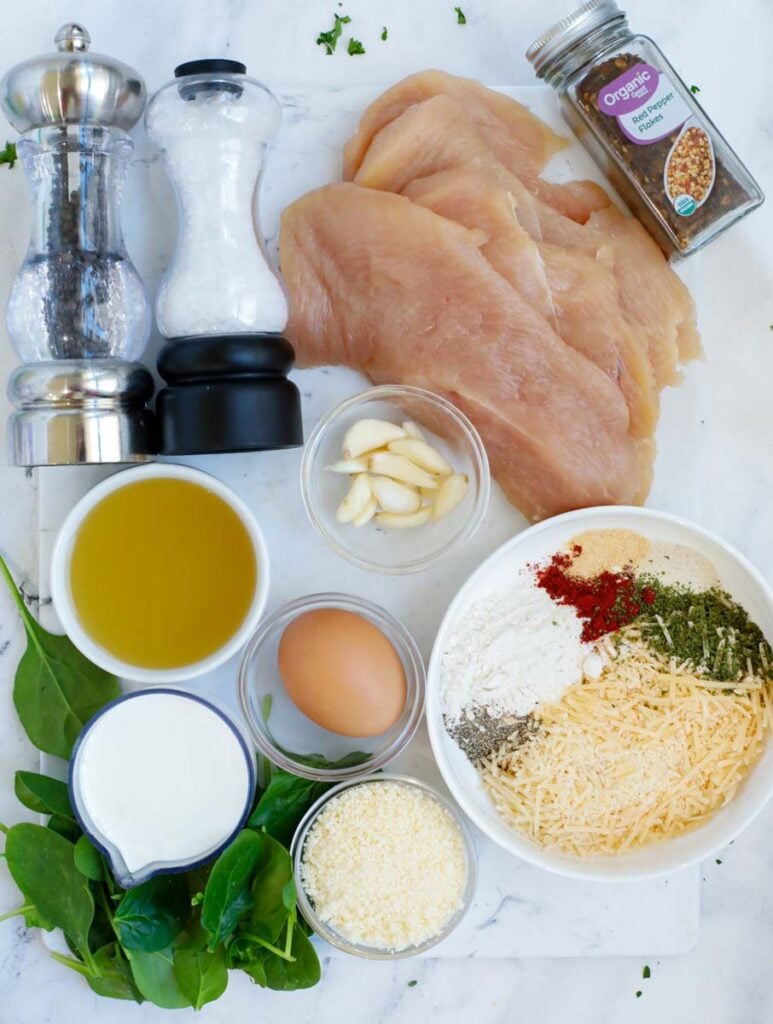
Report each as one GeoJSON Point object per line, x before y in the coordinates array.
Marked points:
{"type": "Point", "coordinates": [519, 910]}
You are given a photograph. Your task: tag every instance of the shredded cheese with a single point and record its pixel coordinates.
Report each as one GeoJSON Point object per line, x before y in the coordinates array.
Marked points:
{"type": "Point", "coordinates": [385, 865]}
{"type": "Point", "coordinates": [643, 753]}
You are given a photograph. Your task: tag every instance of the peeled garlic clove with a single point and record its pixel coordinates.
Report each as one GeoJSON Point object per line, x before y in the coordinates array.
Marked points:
{"type": "Point", "coordinates": [348, 466]}
{"type": "Point", "coordinates": [391, 521]}
{"type": "Point", "coordinates": [428, 493]}
{"type": "Point", "coordinates": [356, 499]}
{"type": "Point", "coordinates": [393, 496]}
{"type": "Point", "coordinates": [422, 454]}
{"type": "Point", "coordinates": [367, 513]}
{"type": "Point", "coordinates": [412, 430]}
{"type": "Point", "coordinates": [449, 495]}
{"type": "Point", "coordinates": [399, 468]}
{"type": "Point", "coordinates": [367, 435]}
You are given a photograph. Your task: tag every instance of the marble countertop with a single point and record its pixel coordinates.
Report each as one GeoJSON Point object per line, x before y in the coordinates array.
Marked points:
{"type": "Point", "coordinates": [726, 977]}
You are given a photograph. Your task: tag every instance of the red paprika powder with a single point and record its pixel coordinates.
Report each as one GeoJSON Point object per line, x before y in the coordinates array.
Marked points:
{"type": "Point", "coordinates": [605, 603]}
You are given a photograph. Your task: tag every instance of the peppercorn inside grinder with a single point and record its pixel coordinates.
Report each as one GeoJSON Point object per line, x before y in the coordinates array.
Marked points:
{"type": "Point", "coordinates": [219, 304]}
{"type": "Point", "coordinates": [78, 314]}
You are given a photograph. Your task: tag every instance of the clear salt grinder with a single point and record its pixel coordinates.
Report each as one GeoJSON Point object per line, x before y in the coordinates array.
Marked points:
{"type": "Point", "coordinates": [219, 303]}
{"type": "Point", "coordinates": [78, 314]}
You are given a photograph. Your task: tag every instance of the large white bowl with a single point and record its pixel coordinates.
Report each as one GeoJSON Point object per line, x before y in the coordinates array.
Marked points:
{"type": "Point", "coordinates": [61, 592]}
{"type": "Point", "coordinates": [737, 576]}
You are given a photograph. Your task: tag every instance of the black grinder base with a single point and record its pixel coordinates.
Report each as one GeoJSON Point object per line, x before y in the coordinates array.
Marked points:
{"type": "Point", "coordinates": [228, 393]}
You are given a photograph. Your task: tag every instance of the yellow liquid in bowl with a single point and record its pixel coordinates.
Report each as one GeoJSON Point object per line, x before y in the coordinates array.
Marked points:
{"type": "Point", "coordinates": [162, 573]}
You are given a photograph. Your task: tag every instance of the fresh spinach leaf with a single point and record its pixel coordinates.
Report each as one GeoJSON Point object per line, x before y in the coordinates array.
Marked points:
{"type": "Point", "coordinates": [255, 970]}
{"type": "Point", "coordinates": [245, 953]}
{"type": "Point", "coordinates": [272, 886]}
{"type": "Point", "coordinates": [228, 894]}
{"type": "Point", "coordinates": [154, 977]}
{"type": "Point", "coordinates": [201, 974]}
{"type": "Point", "coordinates": [284, 803]}
{"type": "Point", "coordinates": [42, 864]}
{"type": "Point", "coordinates": [287, 797]}
{"type": "Point", "coordinates": [150, 916]}
{"type": "Point", "coordinates": [88, 860]}
{"type": "Point", "coordinates": [42, 794]}
{"type": "Point", "coordinates": [115, 980]}
{"type": "Point", "coordinates": [67, 828]}
{"type": "Point", "coordinates": [303, 971]}
{"type": "Point", "coordinates": [56, 689]}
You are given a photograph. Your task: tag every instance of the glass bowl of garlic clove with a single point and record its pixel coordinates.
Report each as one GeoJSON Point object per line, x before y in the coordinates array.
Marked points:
{"type": "Point", "coordinates": [395, 478]}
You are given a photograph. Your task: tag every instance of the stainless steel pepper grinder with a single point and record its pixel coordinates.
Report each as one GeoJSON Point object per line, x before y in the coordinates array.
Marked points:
{"type": "Point", "coordinates": [78, 314]}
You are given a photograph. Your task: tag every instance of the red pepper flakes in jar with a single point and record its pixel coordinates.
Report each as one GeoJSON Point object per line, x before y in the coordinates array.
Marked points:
{"type": "Point", "coordinates": [644, 128]}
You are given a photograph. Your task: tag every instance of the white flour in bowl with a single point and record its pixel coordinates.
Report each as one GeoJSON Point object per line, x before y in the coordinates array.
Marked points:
{"type": "Point", "coordinates": [512, 652]}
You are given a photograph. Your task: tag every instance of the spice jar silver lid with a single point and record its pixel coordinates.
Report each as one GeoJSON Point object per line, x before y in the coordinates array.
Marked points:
{"type": "Point", "coordinates": [72, 86]}
{"type": "Point", "coordinates": [566, 32]}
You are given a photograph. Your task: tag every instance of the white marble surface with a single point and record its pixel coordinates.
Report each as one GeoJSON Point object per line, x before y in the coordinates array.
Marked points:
{"type": "Point", "coordinates": [725, 978]}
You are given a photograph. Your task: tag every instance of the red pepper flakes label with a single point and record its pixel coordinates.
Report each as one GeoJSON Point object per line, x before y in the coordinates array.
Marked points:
{"type": "Point", "coordinates": [645, 103]}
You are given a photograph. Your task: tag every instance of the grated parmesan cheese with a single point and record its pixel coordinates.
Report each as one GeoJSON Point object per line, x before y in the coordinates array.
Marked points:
{"type": "Point", "coordinates": [643, 753]}
{"type": "Point", "coordinates": [385, 865]}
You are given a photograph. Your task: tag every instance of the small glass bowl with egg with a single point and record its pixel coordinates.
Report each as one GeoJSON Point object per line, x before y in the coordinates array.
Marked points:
{"type": "Point", "coordinates": [395, 478]}
{"type": "Point", "coordinates": [331, 687]}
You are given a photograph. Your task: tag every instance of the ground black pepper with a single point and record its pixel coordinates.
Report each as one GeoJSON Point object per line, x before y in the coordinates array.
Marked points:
{"type": "Point", "coordinates": [478, 733]}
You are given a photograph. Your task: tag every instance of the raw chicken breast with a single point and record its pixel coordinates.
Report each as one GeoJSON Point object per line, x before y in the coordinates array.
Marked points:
{"type": "Point", "coordinates": [390, 288]}
{"type": "Point", "coordinates": [575, 291]}
{"type": "Point", "coordinates": [545, 313]}
{"type": "Point", "coordinates": [516, 137]}
{"type": "Point", "coordinates": [437, 135]}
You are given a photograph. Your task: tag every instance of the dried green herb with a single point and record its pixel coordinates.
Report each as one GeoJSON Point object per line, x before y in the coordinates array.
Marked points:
{"type": "Point", "coordinates": [646, 973]}
{"type": "Point", "coordinates": [709, 630]}
{"type": "Point", "coordinates": [8, 154]}
{"type": "Point", "coordinates": [384, 34]}
{"type": "Point", "coordinates": [355, 48]}
{"type": "Point", "coordinates": [460, 18]}
{"type": "Point", "coordinates": [330, 38]}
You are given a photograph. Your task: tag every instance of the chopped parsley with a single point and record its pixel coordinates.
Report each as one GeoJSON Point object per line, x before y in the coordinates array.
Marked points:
{"type": "Point", "coordinates": [384, 34]}
{"type": "Point", "coordinates": [8, 154]}
{"type": "Point", "coordinates": [355, 48]}
{"type": "Point", "coordinates": [718, 861]}
{"type": "Point", "coordinates": [413, 984]}
{"type": "Point", "coordinates": [646, 973]}
{"type": "Point", "coordinates": [694, 88]}
{"type": "Point", "coordinates": [460, 18]}
{"type": "Point", "coordinates": [638, 994]}
{"type": "Point", "coordinates": [330, 39]}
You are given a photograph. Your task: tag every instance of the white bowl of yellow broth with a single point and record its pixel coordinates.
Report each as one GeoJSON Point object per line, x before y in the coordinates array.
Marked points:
{"type": "Point", "coordinates": [159, 574]}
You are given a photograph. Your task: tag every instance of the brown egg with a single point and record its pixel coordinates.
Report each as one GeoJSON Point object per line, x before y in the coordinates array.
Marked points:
{"type": "Point", "coordinates": [342, 672]}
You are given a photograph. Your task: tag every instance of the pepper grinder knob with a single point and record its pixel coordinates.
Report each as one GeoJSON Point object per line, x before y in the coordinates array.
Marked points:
{"type": "Point", "coordinates": [72, 38]}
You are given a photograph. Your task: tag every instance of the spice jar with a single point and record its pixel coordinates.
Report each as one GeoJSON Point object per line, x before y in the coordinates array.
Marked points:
{"type": "Point", "coordinates": [219, 304]}
{"type": "Point", "coordinates": [644, 127]}
{"type": "Point", "coordinates": [78, 314]}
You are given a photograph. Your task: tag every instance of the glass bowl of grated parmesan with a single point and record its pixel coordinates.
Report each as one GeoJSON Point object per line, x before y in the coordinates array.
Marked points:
{"type": "Point", "coordinates": [385, 867]}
